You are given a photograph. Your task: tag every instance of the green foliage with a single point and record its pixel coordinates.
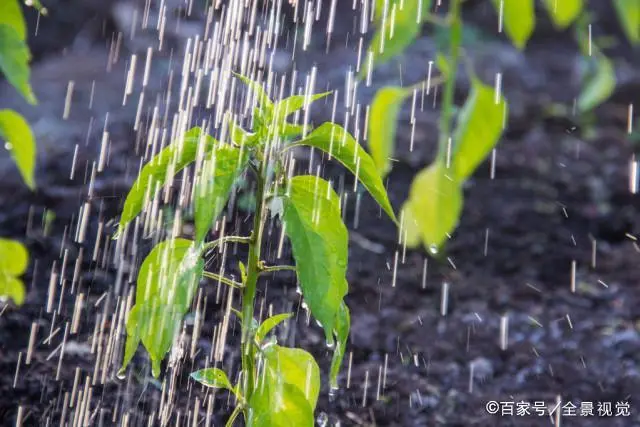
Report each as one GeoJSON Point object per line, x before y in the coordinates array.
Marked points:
{"type": "Point", "coordinates": [387, 103]}
{"type": "Point", "coordinates": [320, 246]}
{"type": "Point", "coordinates": [14, 259]}
{"type": "Point", "coordinates": [20, 142]}
{"type": "Point", "coordinates": [287, 389]}
{"type": "Point", "coordinates": [269, 324]}
{"type": "Point", "coordinates": [629, 15]}
{"type": "Point", "coordinates": [279, 385]}
{"type": "Point", "coordinates": [339, 144]}
{"type": "Point", "coordinates": [166, 284]}
{"type": "Point", "coordinates": [213, 377]}
{"type": "Point", "coordinates": [163, 168]}
{"type": "Point", "coordinates": [398, 27]}
{"type": "Point", "coordinates": [432, 211]}
{"type": "Point", "coordinates": [479, 128]}
{"type": "Point", "coordinates": [599, 83]}
{"type": "Point", "coordinates": [518, 18]}
{"type": "Point", "coordinates": [15, 131]}
{"type": "Point", "coordinates": [343, 326]}
{"type": "Point", "coordinates": [434, 206]}
{"type": "Point", "coordinates": [11, 15]}
{"type": "Point", "coordinates": [14, 60]}
{"type": "Point", "coordinates": [563, 12]}
{"type": "Point", "coordinates": [215, 182]}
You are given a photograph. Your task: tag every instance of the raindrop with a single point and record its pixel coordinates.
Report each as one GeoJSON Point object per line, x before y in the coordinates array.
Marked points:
{"type": "Point", "coordinates": [333, 393]}
{"type": "Point", "coordinates": [331, 344]}
{"type": "Point", "coordinates": [433, 249]}
{"type": "Point", "coordinates": [8, 146]}
{"type": "Point", "coordinates": [121, 375]}
{"type": "Point", "coordinates": [322, 420]}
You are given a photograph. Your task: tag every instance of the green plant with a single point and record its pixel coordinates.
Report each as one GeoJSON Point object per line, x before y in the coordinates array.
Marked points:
{"type": "Point", "coordinates": [278, 386]}
{"type": "Point", "coordinates": [433, 208]}
{"type": "Point", "coordinates": [15, 131]}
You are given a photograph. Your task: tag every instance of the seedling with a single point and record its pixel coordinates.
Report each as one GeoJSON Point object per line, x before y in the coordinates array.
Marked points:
{"type": "Point", "coordinates": [15, 134]}
{"type": "Point", "coordinates": [431, 213]}
{"type": "Point", "coordinates": [278, 385]}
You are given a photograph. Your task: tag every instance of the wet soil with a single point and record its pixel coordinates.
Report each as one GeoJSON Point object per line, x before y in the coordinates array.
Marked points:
{"type": "Point", "coordinates": [557, 210]}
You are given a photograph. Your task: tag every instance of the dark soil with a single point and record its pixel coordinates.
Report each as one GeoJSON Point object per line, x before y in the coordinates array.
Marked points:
{"type": "Point", "coordinates": [559, 201]}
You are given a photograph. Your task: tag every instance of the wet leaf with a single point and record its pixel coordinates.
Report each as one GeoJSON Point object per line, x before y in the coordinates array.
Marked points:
{"type": "Point", "coordinates": [20, 142]}
{"type": "Point", "coordinates": [287, 390]}
{"type": "Point", "coordinates": [337, 142]}
{"type": "Point", "coordinates": [383, 118]}
{"type": "Point", "coordinates": [162, 168]}
{"type": "Point", "coordinates": [214, 184]}
{"type": "Point", "coordinates": [279, 405]}
{"type": "Point", "coordinates": [269, 324]}
{"type": "Point", "coordinates": [629, 15]}
{"type": "Point", "coordinates": [212, 377]}
{"type": "Point", "coordinates": [167, 281]}
{"type": "Point", "coordinates": [282, 109]}
{"type": "Point", "coordinates": [518, 18]}
{"type": "Point", "coordinates": [14, 61]}
{"type": "Point", "coordinates": [563, 12]}
{"type": "Point", "coordinates": [11, 15]}
{"type": "Point", "coordinates": [264, 102]}
{"type": "Point", "coordinates": [241, 137]}
{"type": "Point", "coordinates": [320, 246]}
{"type": "Point", "coordinates": [599, 86]}
{"type": "Point", "coordinates": [296, 367]}
{"type": "Point", "coordinates": [14, 259]}
{"type": "Point", "coordinates": [343, 325]}
{"type": "Point", "coordinates": [479, 128]}
{"type": "Point", "coordinates": [434, 205]}
{"type": "Point", "coordinates": [395, 36]}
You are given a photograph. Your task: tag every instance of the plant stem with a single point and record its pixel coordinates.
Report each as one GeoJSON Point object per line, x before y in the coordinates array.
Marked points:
{"type": "Point", "coordinates": [234, 415]}
{"type": "Point", "coordinates": [223, 279]}
{"type": "Point", "coordinates": [253, 271]}
{"type": "Point", "coordinates": [274, 268]}
{"type": "Point", "coordinates": [226, 239]}
{"type": "Point", "coordinates": [455, 39]}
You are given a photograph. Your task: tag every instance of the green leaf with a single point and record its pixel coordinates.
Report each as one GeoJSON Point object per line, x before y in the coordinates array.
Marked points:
{"type": "Point", "coordinates": [319, 241]}
{"type": "Point", "coordinates": [443, 65]}
{"type": "Point", "coordinates": [14, 61]}
{"type": "Point", "coordinates": [212, 377]}
{"type": "Point", "coordinates": [395, 36]}
{"type": "Point", "coordinates": [279, 405]}
{"type": "Point", "coordinates": [282, 109]}
{"type": "Point", "coordinates": [629, 15]}
{"type": "Point", "coordinates": [296, 367]}
{"type": "Point", "coordinates": [287, 390]}
{"type": "Point", "coordinates": [240, 136]}
{"type": "Point", "coordinates": [161, 169]}
{"type": "Point", "coordinates": [14, 259]}
{"type": "Point", "coordinates": [264, 102]}
{"type": "Point", "coordinates": [599, 86]}
{"type": "Point", "coordinates": [343, 325]}
{"type": "Point", "coordinates": [519, 19]}
{"type": "Point", "coordinates": [383, 117]}
{"type": "Point", "coordinates": [11, 15]}
{"type": "Point", "coordinates": [214, 184]}
{"type": "Point", "coordinates": [20, 142]}
{"type": "Point", "coordinates": [563, 12]}
{"type": "Point", "coordinates": [167, 281]}
{"type": "Point", "coordinates": [337, 142]}
{"type": "Point", "coordinates": [479, 128]}
{"type": "Point", "coordinates": [269, 324]}
{"type": "Point", "coordinates": [434, 205]}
